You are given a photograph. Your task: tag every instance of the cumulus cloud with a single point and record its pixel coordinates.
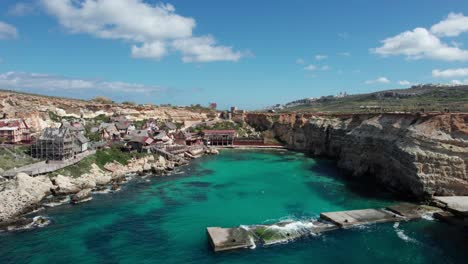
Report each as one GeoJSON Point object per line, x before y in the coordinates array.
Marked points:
{"type": "Point", "coordinates": [420, 43]}
{"type": "Point", "coordinates": [404, 82]}
{"type": "Point", "coordinates": [321, 56]}
{"type": "Point", "coordinates": [325, 68]}
{"type": "Point", "coordinates": [7, 31]}
{"type": "Point", "coordinates": [150, 27]}
{"type": "Point", "coordinates": [204, 49]}
{"type": "Point", "coordinates": [153, 50]}
{"type": "Point", "coordinates": [21, 9]}
{"type": "Point", "coordinates": [452, 26]}
{"type": "Point", "coordinates": [450, 73]}
{"type": "Point", "coordinates": [45, 82]}
{"type": "Point", "coordinates": [380, 80]}
{"type": "Point", "coordinates": [423, 43]}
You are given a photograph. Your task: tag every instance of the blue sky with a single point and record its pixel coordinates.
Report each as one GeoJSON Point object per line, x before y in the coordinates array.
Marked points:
{"type": "Point", "coordinates": [246, 53]}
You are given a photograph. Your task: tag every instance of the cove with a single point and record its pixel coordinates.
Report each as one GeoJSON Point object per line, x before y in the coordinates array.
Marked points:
{"type": "Point", "coordinates": [163, 219]}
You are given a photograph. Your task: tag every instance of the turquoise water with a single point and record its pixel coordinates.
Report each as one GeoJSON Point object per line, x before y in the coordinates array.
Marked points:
{"type": "Point", "coordinates": [164, 220]}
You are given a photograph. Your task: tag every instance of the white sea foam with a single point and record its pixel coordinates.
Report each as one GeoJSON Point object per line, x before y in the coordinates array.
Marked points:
{"type": "Point", "coordinates": [401, 234]}
{"type": "Point", "coordinates": [107, 190]}
{"type": "Point", "coordinates": [428, 217]}
{"type": "Point", "coordinates": [54, 204]}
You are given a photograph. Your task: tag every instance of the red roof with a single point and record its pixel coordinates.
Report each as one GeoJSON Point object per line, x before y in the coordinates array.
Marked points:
{"type": "Point", "coordinates": [219, 132]}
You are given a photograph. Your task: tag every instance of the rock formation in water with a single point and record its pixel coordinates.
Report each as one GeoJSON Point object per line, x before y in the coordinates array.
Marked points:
{"type": "Point", "coordinates": [414, 155]}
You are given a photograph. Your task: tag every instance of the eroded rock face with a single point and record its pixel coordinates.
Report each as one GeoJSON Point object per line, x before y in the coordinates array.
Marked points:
{"type": "Point", "coordinates": [20, 194]}
{"type": "Point", "coordinates": [81, 196]}
{"type": "Point", "coordinates": [65, 185]}
{"type": "Point", "coordinates": [414, 155]}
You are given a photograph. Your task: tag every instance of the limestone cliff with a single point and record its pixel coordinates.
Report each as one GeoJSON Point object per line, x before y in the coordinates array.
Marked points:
{"type": "Point", "coordinates": [36, 110]}
{"type": "Point", "coordinates": [414, 155]}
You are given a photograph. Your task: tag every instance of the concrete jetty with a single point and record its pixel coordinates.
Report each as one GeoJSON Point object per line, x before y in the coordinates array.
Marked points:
{"type": "Point", "coordinates": [359, 217]}
{"type": "Point", "coordinates": [456, 209]}
{"type": "Point", "coordinates": [455, 204]}
{"type": "Point", "coordinates": [223, 239]}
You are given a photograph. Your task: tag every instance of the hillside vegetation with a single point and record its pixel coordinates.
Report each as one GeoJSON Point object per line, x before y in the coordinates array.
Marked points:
{"type": "Point", "coordinates": [418, 98]}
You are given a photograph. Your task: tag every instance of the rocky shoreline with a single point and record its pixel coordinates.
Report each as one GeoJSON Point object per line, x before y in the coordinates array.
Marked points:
{"type": "Point", "coordinates": [25, 194]}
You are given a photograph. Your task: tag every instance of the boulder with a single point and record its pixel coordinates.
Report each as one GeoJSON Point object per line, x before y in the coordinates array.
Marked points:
{"type": "Point", "coordinates": [81, 196]}
{"type": "Point", "coordinates": [65, 185]}
{"type": "Point", "coordinates": [22, 193]}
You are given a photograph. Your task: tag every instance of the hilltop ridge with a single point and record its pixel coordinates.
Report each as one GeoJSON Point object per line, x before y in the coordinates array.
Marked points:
{"type": "Point", "coordinates": [426, 97]}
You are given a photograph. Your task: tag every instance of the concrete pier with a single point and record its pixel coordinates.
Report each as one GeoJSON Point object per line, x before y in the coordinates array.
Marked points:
{"type": "Point", "coordinates": [223, 239]}
{"type": "Point", "coordinates": [456, 204]}
{"type": "Point", "coordinates": [413, 211]}
{"type": "Point", "coordinates": [359, 217]}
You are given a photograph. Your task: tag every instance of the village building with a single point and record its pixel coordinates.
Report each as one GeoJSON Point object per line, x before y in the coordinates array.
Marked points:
{"type": "Point", "coordinates": [151, 126]}
{"type": "Point", "coordinates": [186, 138]}
{"type": "Point", "coordinates": [124, 127]}
{"type": "Point", "coordinates": [162, 137]}
{"type": "Point", "coordinates": [170, 127]}
{"type": "Point", "coordinates": [219, 137]}
{"type": "Point", "coordinates": [54, 144]}
{"type": "Point", "coordinates": [59, 144]}
{"type": "Point", "coordinates": [138, 139]}
{"type": "Point", "coordinates": [14, 131]}
{"type": "Point", "coordinates": [109, 132]}
{"type": "Point", "coordinates": [75, 127]}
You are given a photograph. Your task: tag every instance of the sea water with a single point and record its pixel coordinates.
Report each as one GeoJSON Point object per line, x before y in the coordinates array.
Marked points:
{"type": "Point", "coordinates": [164, 219]}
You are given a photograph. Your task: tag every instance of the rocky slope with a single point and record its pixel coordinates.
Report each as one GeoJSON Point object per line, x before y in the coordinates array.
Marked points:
{"type": "Point", "coordinates": [36, 110]}
{"type": "Point", "coordinates": [25, 193]}
{"type": "Point", "coordinates": [414, 155]}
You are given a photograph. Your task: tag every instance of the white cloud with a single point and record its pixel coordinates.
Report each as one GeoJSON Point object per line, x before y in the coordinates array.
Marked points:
{"type": "Point", "coordinates": [45, 82]}
{"type": "Point", "coordinates": [321, 56]}
{"type": "Point", "coordinates": [420, 43]}
{"type": "Point", "coordinates": [204, 49]}
{"type": "Point", "coordinates": [325, 68]}
{"type": "Point", "coordinates": [21, 9]}
{"type": "Point", "coordinates": [149, 27]}
{"type": "Point", "coordinates": [378, 80]}
{"type": "Point", "coordinates": [7, 31]}
{"type": "Point", "coordinates": [153, 50]}
{"type": "Point", "coordinates": [404, 82]}
{"type": "Point", "coordinates": [452, 26]}
{"type": "Point", "coordinates": [423, 43]}
{"type": "Point", "coordinates": [450, 73]}
{"type": "Point", "coordinates": [310, 67]}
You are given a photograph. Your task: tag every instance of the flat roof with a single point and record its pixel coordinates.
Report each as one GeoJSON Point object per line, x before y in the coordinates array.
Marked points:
{"type": "Point", "coordinates": [219, 132]}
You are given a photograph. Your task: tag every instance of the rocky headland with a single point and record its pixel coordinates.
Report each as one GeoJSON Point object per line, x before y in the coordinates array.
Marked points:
{"type": "Point", "coordinates": [414, 155]}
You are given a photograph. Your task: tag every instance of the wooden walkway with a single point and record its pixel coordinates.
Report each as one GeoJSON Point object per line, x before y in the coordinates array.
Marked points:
{"type": "Point", "coordinates": [42, 167]}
